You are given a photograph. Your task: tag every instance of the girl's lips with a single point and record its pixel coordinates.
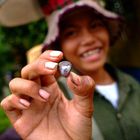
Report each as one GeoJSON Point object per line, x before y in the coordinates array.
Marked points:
{"type": "Point", "coordinates": [91, 55]}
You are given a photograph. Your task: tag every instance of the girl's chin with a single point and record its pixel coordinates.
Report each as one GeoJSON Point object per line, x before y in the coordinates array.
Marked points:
{"type": "Point", "coordinates": [91, 67]}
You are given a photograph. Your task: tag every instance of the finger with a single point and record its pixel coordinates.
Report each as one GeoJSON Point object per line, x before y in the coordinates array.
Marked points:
{"type": "Point", "coordinates": [28, 89]}
{"type": "Point", "coordinates": [30, 118]}
{"type": "Point", "coordinates": [83, 88]}
{"type": "Point", "coordinates": [13, 102]}
{"type": "Point", "coordinates": [52, 55]}
{"type": "Point", "coordinates": [45, 64]}
{"type": "Point", "coordinates": [13, 105]}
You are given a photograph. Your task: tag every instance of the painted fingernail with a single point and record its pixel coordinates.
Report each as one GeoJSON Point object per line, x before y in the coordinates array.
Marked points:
{"type": "Point", "coordinates": [51, 65]}
{"type": "Point", "coordinates": [55, 53]}
{"type": "Point", "coordinates": [65, 68]}
{"type": "Point", "coordinates": [45, 95]}
{"type": "Point", "coordinates": [24, 102]}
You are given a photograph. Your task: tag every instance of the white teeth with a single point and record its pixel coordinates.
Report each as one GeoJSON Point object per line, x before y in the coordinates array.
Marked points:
{"type": "Point", "coordinates": [91, 52]}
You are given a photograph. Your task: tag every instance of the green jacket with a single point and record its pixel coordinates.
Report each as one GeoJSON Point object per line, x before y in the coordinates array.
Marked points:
{"type": "Point", "coordinates": [112, 124]}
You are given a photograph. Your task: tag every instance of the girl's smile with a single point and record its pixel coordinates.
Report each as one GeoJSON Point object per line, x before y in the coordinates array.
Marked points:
{"type": "Point", "coordinates": [85, 44]}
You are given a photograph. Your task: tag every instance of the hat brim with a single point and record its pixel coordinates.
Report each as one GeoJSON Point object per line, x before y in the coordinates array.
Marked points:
{"type": "Point", "coordinates": [19, 12]}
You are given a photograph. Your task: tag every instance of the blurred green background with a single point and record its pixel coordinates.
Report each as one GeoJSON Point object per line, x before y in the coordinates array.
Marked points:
{"type": "Point", "coordinates": [15, 42]}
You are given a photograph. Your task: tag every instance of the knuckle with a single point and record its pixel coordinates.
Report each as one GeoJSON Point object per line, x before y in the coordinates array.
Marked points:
{"type": "Point", "coordinates": [39, 66]}
{"type": "Point", "coordinates": [12, 84]}
{"type": "Point", "coordinates": [91, 82]}
{"type": "Point", "coordinates": [23, 70]}
{"type": "Point", "coordinates": [87, 84]}
{"type": "Point", "coordinates": [4, 103]}
{"type": "Point", "coordinates": [10, 99]}
{"type": "Point", "coordinates": [31, 86]}
{"type": "Point", "coordinates": [44, 54]}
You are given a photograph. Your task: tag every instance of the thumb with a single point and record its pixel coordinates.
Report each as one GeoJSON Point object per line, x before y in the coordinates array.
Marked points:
{"type": "Point", "coordinates": [83, 89]}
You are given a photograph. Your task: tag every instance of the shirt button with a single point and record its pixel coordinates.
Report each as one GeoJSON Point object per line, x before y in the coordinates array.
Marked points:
{"type": "Point", "coordinates": [119, 115]}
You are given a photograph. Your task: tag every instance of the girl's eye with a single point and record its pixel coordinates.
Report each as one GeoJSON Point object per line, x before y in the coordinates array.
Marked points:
{"type": "Point", "coordinates": [70, 33]}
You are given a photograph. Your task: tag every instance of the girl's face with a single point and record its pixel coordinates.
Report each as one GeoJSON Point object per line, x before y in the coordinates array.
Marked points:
{"type": "Point", "coordinates": [84, 41]}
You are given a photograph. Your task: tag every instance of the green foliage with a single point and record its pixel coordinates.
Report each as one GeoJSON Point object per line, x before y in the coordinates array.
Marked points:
{"type": "Point", "coordinates": [4, 123]}
{"type": "Point", "coordinates": [14, 43]}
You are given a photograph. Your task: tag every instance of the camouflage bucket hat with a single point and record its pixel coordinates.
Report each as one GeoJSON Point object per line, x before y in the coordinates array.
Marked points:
{"type": "Point", "coordinates": [55, 9]}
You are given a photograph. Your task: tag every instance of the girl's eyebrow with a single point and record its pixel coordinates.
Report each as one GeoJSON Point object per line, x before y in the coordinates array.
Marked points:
{"type": "Point", "coordinates": [66, 26]}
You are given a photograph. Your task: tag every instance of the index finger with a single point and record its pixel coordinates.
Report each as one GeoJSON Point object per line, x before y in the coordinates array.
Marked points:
{"type": "Point", "coordinates": [46, 64]}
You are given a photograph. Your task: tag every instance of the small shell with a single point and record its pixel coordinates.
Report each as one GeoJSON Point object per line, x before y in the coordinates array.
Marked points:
{"type": "Point", "coordinates": [65, 68]}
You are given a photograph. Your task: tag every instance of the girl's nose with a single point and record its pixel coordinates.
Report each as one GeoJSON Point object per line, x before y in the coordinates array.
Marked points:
{"type": "Point", "coordinates": [87, 37]}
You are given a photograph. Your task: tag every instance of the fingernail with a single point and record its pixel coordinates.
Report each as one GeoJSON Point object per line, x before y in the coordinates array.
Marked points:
{"type": "Point", "coordinates": [51, 65]}
{"type": "Point", "coordinates": [24, 102]}
{"type": "Point", "coordinates": [45, 95]}
{"type": "Point", "coordinates": [55, 53]}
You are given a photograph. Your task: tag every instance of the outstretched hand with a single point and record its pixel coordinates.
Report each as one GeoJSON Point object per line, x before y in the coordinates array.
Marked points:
{"type": "Point", "coordinates": [38, 109]}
